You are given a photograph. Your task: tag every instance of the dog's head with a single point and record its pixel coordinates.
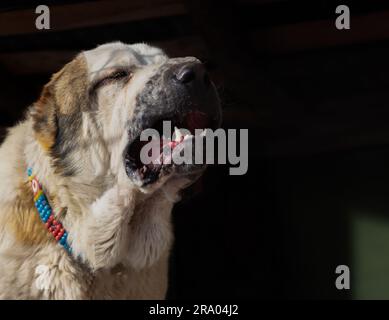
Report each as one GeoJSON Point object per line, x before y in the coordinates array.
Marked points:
{"type": "Point", "coordinates": [91, 114]}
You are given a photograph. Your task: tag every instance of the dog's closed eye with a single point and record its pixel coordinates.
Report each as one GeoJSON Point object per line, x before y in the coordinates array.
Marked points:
{"type": "Point", "coordinates": [117, 75]}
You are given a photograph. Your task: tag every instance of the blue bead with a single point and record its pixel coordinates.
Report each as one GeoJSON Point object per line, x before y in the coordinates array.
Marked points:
{"type": "Point", "coordinates": [29, 171]}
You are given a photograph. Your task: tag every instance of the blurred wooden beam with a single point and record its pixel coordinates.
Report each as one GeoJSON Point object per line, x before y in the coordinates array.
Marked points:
{"type": "Point", "coordinates": [35, 62]}
{"type": "Point", "coordinates": [87, 14]}
{"type": "Point", "coordinates": [321, 34]}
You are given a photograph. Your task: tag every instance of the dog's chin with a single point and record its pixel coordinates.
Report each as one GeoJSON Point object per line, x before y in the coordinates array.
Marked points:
{"type": "Point", "coordinates": [165, 176]}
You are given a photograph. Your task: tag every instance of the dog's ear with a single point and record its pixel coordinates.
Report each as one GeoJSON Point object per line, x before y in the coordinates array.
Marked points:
{"type": "Point", "coordinates": [44, 114]}
{"type": "Point", "coordinates": [60, 103]}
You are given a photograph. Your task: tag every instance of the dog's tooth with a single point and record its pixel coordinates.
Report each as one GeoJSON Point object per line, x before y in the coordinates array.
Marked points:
{"type": "Point", "coordinates": [178, 134]}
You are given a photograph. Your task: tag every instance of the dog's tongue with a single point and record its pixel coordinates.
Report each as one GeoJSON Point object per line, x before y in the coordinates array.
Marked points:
{"type": "Point", "coordinates": [196, 120]}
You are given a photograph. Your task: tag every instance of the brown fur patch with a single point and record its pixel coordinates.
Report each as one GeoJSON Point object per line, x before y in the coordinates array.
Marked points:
{"type": "Point", "coordinates": [65, 95]}
{"type": "Point", "coordinates": [44, 118]}
{"type": "Point", "coordinates": [71, 89]}
{"type": "Point", "coordinates": [25, 222]}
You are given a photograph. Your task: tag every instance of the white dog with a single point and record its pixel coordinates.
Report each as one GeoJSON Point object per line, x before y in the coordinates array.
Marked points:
{"type": "Point", "coordinates": [74, 163]}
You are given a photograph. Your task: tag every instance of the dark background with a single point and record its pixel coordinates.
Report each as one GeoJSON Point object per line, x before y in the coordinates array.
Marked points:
{"type": "Point", "coordinates": [315, 101]}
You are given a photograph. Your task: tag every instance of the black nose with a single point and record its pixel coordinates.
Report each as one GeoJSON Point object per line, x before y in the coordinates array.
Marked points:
{"type": "Point", "coordinates": [186, 74]}
{"type": "Point", "coordinates": [191, 72]}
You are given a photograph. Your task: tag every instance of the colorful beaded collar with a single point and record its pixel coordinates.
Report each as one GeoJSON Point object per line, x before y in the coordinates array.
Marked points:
{"type": "Point", "coordinates": [46, 213]}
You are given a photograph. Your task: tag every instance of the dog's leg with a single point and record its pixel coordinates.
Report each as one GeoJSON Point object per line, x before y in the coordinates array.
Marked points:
{"type": "Point", "coordinates": [100, 238]}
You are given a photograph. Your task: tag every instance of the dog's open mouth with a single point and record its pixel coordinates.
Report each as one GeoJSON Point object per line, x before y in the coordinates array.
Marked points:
{"type": "Point", "coordinates": [182, 129]}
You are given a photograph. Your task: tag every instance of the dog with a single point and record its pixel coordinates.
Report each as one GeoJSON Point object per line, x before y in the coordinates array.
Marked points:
{"type": "Point", "coordinates": [80, 216]}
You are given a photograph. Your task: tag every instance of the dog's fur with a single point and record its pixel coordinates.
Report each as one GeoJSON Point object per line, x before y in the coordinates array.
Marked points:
{"type": "Point", "coordinates": [73, 137]}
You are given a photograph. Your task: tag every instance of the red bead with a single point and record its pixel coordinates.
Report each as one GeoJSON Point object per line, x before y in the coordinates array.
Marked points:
{"type": "Point", "coordinates": [48, 223]}
{"type": "Point", "coordinates": [56, 231]}
{"type": "Point", "coordinates": [61, 232]}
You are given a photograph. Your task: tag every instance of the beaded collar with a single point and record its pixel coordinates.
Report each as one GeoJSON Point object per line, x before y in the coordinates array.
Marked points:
{"type": "Point", "coordinates": [46, 213]}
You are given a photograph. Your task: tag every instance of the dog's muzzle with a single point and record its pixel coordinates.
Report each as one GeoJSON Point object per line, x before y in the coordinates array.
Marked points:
{"type": "Point", "coordinates": [182, 93]}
